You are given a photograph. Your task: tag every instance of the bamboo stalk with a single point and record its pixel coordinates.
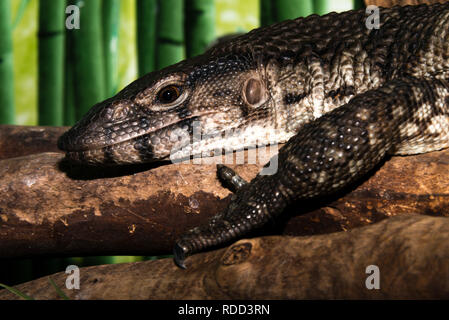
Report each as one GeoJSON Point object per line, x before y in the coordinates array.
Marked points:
{"type": "Point", "coordinates": [111, 20]}
{"type": "Point", "coordinates": [87, 52]}
{"type": "Point", "coordinates": [69, 97]}
{"type": "Point", "coordinates": [322, 6]}
{"type": "Point", "coordinates": [289, 9]}
{"type": "Point", "coordinates": [325, 6]}
{"type": "Point", "coordinates": [199, 26]}
{"type": "Point", "coordinates": [6, 65]}
{"type": "Point", "coordinates": [358, 4]}
{"type": "Point", "coordinates": [266, 13]}
{"type": "Point", "coordinates": [51, 62]}
{"type": "Point", "coordinates": [170, 28]}
{"type": "Point", "coordinates": [20, 12]}
{"type": "Point", "coordinates": [146, 35]}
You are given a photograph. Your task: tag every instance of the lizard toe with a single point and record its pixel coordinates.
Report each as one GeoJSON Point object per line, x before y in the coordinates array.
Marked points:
{"type": "Point", "coordinates": [230, 178]}
{"type": "Point", "coordinates": [179, 255]}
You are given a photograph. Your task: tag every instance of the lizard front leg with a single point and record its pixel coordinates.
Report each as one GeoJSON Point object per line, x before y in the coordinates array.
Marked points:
{"type": "Point", "coordinates": [328, 154]}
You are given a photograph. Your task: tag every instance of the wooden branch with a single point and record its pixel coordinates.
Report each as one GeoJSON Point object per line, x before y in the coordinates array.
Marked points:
{"type": "Point", "coordinates": [411, 252]}
{"type": "Point", "coordinates": [16, 141]}
{"type": "Point", "coordinates": [51, 208]}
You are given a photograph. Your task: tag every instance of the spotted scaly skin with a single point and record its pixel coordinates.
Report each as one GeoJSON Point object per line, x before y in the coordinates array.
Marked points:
{"type": "Point", "coordinates": [342, 95]}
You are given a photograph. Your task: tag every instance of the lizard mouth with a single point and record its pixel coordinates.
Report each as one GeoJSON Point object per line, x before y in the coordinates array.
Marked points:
{"type": "Point", "coordinates": [137, 146]}
{"type": "Point", "coordinates": [81, 137]}
{"type": "Point", "coordinates": [177, 142]}
{"type": "Point", "coordinates": [112, 155]}
{"type": "Point", "coordinates": [154, 145]}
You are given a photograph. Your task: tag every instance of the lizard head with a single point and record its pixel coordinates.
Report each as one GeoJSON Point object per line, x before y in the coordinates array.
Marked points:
{"type": "Point", "coordinates": [194, 107]}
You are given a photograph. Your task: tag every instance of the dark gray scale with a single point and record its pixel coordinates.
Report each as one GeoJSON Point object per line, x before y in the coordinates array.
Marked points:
{"type": "Point", "coordinates": [292, 98]}
{"type": "Point", "coordinates": [108, 154]}
{"type": "Point", "coordinates": [143, 145]}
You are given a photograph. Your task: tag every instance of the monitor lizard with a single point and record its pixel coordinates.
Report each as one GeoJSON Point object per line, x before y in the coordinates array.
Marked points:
{"type": "Point", "coordinates": [342, 96]}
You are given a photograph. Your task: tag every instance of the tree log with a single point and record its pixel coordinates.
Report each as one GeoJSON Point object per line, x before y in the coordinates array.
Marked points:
{"type": "Point", "coordinates": [49, 207]}
{"type": "Point", "coordinates": [411, 252]}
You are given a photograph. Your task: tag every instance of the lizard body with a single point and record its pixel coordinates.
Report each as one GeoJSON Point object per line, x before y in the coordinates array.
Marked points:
{"type": "Point", "coordinates": [343, 96]}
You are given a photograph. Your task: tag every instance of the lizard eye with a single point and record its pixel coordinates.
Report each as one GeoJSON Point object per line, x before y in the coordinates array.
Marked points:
{"type": "Point", "coordinates": [169, 94]}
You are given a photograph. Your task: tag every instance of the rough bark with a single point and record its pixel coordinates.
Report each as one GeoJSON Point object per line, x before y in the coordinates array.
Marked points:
{"type": "Point", "coordinates": [49, 207]}
{"type": "Point", "coordinates": [411, 252]}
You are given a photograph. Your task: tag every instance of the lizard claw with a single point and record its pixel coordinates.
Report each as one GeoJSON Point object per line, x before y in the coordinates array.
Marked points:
{"type": "Point", "coordinates": [179, 255]}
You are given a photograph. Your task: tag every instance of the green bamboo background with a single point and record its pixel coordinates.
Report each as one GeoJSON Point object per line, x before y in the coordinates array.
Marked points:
{"type": "Point", "coordinates": [6, 65]}
{"type": "Point", "coordinates": [111, 22]}
{"type": "Point", "coordinates": [199, 26]}
{"type": "Point", "coordinates": [146, 35]}
{"type": "Point", "coordinates": [50, 75]}
{"type": "Point", "coordinates": [51, 62]}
